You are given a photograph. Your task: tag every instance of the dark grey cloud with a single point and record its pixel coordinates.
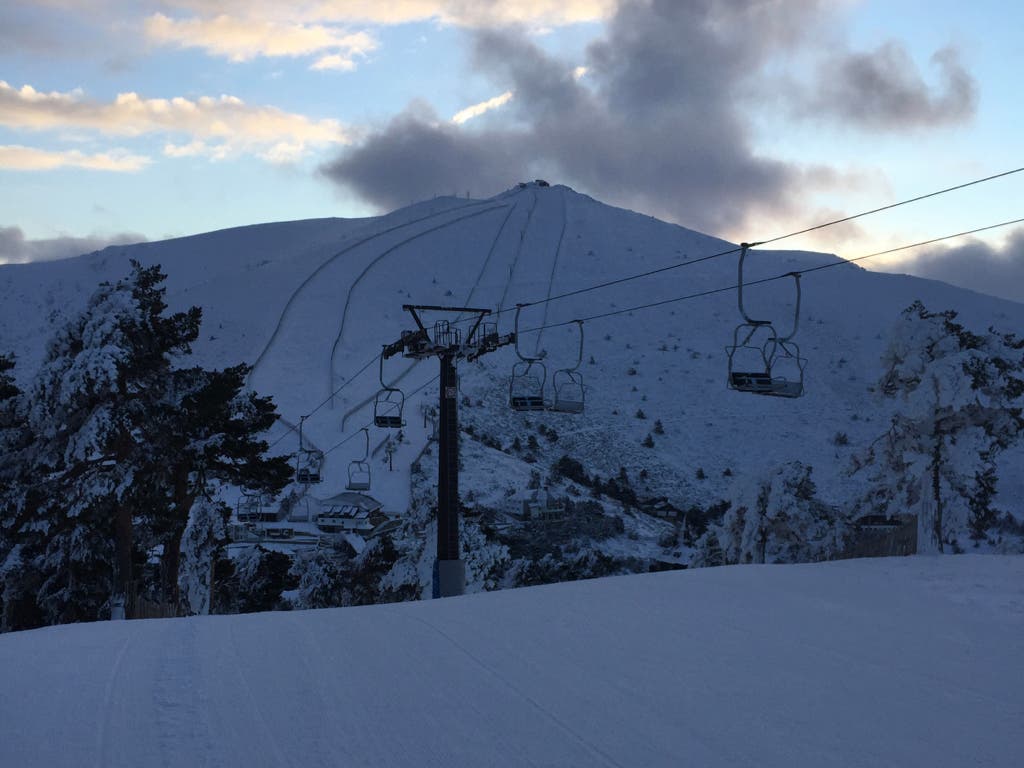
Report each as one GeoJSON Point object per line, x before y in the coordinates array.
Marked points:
{"type": "Point", "coordinates": [883, 90]}
{"type": "Point", "coordinates": [660, 123]}
{"type": "Point", "coordinates": [416, 156]}
{"type": "Point", "coordinates": [14, 248]}
{"type": "Point", "coordinates": [997, 271]}
{"type": "Point", "coordinates": [652, 126]}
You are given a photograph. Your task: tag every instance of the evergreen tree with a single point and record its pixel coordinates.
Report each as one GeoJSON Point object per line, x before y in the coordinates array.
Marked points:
{"type": "Point", "coordinates": [778, 518]}
{"type": "Point", "coordinates": [125, 450]}
{"type": "Point", "coordinates": [103, 376]}
{"type": "Point", "coordinates": [207, 433]}
{"type": "Point", "coordinates": [960, 398]}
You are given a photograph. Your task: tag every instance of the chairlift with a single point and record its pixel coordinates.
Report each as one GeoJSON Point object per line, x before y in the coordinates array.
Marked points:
{"type": "Point", "coordinates": [249, 507]}
{"type": "Point", "coordinates": [308, 461]}
{"type": "Point", "coordinates": [388, 404]}
{"type": "Point", "coordinates": [760, 361]}
{"type": "Point", "coordinates": [567, 384]}
{"type": "Point", "coordinates": [359, 470]}
{"type": "Point", "coordinates": [529, 375]}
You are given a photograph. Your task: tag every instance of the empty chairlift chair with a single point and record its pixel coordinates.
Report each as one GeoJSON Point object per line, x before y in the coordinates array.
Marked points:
{"type": "Point", "coordinates": [760, 361]}
{"type": "Point", "coordinates": [308, 461]}
{"type": "Point", "coordinates": [567, 384]}
{"type": "Point", "coordinates": [388, 404]}
{"type": "Point", "coordinates": [308, 466]}
{"type": "Point", "coordinates": [249, 508]}
{"type": "Point", "coordinates": [529, 375]}
{"type": "Point", "coordinates": [359, 470]}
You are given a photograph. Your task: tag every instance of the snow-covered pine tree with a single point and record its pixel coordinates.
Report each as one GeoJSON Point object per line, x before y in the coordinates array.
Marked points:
{"type": "Point", "coordinates": [124, 444]}
{"type": "Point", "coordinates": [959, 397]}
{"type": "Point", "coordinates": [202, 543]}
{"type": "Point", "coordinates": [208, 434]}
{"type": "Point", "coordinates": [104, 374]}
{"type": "Point", "coordinates": [777, 518]}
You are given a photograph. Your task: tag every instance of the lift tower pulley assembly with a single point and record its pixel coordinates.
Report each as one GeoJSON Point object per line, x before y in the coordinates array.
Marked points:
{"type": "Point", "coordinates": [446, 342]}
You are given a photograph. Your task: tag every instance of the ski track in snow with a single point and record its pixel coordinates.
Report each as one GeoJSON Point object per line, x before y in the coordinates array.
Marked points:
{"type": "Point", "coordinates": [519, 250]}
{"type": "Point", "coordinates": [266, 728]}
{"type": "Point", "coordinates": [359, 406]}
{"type": "Point", "coordinates": [335, 257]}
{"type": "Point", "coordinates": [551, 279]}
{"type": "Point", "coordinates": [103, 757]}
{"type": "Point", "coordinates": [355, 283]}
{"type": "Point", "coordinates": [561, 724]}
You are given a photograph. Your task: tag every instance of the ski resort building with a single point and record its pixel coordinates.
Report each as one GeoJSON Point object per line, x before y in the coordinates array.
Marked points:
{"type": "Point", "coordinates": [351, 512]}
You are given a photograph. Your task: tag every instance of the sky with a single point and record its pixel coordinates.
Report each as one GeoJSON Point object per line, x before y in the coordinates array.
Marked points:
{"type": "Point", "coordinates": [747, 119]}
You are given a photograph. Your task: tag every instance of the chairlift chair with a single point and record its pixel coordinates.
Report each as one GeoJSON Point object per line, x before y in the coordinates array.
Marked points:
{"type": "Point", "coordinates": [308, 461]}
{"type": "Point", "coordinates": [388, 404]}
{"type": "Point", "coordinates": [567, 384]}
{"type": "Point", "coordinates": [787, 368]}
{"type": "Point", "coordinates": [249, 507]}
{"type": "Point", "coordinates": [529, 375]}
{"type": "Point", "coordinates": [772, 366]}
{"type": "Point", "coordinates": [309, 464]}
{"type": "Point", "coordinates": [359, 470]}
{"type": "Point", "coordinates": [526, 386]}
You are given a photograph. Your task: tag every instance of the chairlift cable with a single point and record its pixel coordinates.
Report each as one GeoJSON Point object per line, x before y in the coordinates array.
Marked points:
{"type": "Point", "coordinates": [325, 402]}
{"type": "Point", "coordinates": [777, 277]}
{"type": "Point", "coordinates": [664, 302]}
{"type": "Point", "coordinates": [370, 423]}
{"type": "Point", "coordinates": [719, 254]}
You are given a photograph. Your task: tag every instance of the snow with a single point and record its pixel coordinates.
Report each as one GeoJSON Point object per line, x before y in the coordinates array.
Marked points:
{"type": "Point", "coordinates": [910, 661]}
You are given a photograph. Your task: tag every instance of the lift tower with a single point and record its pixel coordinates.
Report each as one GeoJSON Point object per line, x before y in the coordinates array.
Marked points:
{"type": "Point", "coordinates": [447, 344]}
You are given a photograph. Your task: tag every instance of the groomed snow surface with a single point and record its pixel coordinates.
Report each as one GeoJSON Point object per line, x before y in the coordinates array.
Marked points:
{"type": "Point", "coordinates": [896, 662]}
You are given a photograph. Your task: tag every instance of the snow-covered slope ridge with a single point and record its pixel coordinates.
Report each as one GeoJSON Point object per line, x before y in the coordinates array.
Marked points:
{"type": "Point", "coordinates": [310, 302]}
{"type": "Point", "coordinates": [906, 662]}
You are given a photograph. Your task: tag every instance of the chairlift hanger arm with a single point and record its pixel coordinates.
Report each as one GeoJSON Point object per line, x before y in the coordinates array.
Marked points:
{"type": "Point", "coordinates": [796, 311]}
{"type": "Point", "coordinates": [744, 247]}
{"type": "Point", "coordinates": [515, 336]}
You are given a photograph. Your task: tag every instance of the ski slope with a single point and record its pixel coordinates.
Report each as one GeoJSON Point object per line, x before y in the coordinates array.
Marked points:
{"type": "Point", "coordinates": [909, 662]}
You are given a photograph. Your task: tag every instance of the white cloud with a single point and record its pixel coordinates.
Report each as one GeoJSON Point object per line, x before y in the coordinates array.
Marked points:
{"type": "Point", "coordinates": [466, 13]}
{"type": "Point", "coordinates": [333, 61]}
{"type": "Point", "coordinates": [225, 121]}
{"type": "Point", "coordinates": [14, 157]}
{"type": "Point", "coordinates": [244, 38]}
{"type": "Point", "coordinates": [484, 106]}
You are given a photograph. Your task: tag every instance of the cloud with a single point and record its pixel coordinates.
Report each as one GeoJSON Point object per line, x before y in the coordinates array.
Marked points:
{"type": "Point", "coordinates": [654, 125]}
{"type": "Point", "coordinates": [980, 266]}
{"type": "Point", "coordinates": [484, 106]}
{"type": "Point", "coordinates": [242, 39]}
{"type": "Point", "coordinates": [14, 157]}
{"type": "Point", "coordinates": [464, 13]}
{"type": "Point", "coordinates": [417, 156]}
{"type": "Point", "coordinates": [227, 121]}
{"type": "Point", "coordinates": [661, 120]}
{"type": "Point", "coordinates": [883, 90]}
{"type": "Point", "coordinates": [15, 249]}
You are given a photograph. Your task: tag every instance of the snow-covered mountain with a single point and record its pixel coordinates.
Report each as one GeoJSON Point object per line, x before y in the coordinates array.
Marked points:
{"type": "Point", "coordinates": [309, 303]}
